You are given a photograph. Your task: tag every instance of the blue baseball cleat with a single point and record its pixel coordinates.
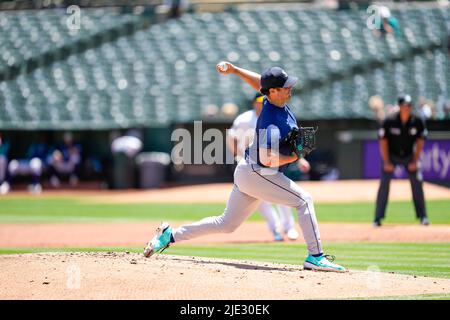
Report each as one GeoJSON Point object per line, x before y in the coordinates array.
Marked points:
{"type": "Point", "coordinates": [160, 241]}
{"type": "Point", "coordinates": [322, 263]}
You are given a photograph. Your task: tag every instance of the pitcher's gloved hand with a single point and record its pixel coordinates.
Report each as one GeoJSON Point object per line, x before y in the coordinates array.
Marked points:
{"type": "Point", "coordinates": [302, 140]}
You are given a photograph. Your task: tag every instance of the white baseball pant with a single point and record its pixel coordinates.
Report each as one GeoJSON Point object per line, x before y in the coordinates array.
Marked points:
{"type": "Point", "coordinates": [25, 167]}
{"type": "Point", "coordinates": [253, 184]}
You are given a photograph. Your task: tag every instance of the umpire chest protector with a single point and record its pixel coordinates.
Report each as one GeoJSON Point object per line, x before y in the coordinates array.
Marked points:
{"type": "Point", "coordinates": [402, 136]}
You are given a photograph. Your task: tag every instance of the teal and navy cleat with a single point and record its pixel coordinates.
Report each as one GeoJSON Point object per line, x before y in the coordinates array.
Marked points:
{"type": "Point", "coordinates": [322, 263]}
{"type": "Point", "coordinates": [160, 241]}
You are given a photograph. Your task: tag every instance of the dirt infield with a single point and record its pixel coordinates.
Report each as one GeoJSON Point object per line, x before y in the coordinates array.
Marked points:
{"type": "Point", "coordinates": [131, 276]}
{"type": "Point", "coordinates": [342, 191]}
{"type": "Point", "coordinates": [91, 235]}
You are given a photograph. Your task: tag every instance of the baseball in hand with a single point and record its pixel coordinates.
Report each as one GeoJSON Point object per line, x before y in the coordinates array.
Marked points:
{"type": "Point", "coordinates": [223, 66]}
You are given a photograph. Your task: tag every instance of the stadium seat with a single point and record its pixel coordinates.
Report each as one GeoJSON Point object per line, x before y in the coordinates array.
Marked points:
{"type": "Point", "coordinates": [165, 73]}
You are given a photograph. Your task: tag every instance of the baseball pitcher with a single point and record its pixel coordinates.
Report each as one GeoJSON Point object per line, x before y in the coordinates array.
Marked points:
{"type": "Point", "coordinates": [259, 176]}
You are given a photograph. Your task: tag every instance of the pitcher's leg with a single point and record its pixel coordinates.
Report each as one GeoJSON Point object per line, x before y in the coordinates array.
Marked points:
{"type": "Point", "coordinates": [239, 208]}
{"type": "Point", "coordinates": [271, 216]}
{"type": "Point", "coordinates": [277, 188]}
{"type": "Point", "coordinates": [308, 223]}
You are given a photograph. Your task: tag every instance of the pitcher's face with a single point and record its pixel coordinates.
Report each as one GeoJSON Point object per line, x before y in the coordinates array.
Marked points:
{"type": "Point", "coordinates": [282, 94]}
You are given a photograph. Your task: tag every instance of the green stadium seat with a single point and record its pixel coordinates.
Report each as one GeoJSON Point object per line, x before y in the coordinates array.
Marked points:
{"type": "Point", "coordinates": [165, 73]}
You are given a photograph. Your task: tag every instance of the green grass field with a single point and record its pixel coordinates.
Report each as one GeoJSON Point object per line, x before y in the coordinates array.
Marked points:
{"type": "Point", "coordinates": [420, 259]}
{"type": "Point", "coordinates": [36, 210]}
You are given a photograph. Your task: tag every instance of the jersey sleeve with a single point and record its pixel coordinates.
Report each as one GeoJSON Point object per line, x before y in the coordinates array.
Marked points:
{"type": "Point", "coordinates": [383, 130]}
{"type": "Point", "coordinates": [422, 131]}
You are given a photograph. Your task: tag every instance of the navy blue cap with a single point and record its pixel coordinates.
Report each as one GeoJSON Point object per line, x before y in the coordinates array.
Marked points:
{"type": "Point", "coordinates": [275, 77]}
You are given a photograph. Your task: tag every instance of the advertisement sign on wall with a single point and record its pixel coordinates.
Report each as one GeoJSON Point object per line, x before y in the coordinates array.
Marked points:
{"type": "Point", "coordinates": [435, 161]}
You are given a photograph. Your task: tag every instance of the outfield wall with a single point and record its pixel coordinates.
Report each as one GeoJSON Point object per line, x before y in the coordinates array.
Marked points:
{"type": "Point", "coordinates": [341, 145]}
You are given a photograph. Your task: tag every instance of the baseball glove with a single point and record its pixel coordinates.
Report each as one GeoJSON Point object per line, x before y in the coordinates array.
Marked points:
{"type": "Point", "coordinates": [302, 140]}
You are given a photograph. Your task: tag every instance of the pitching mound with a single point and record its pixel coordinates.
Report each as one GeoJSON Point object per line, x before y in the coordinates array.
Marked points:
{"type": "Point", "coordinates": [131, 276]}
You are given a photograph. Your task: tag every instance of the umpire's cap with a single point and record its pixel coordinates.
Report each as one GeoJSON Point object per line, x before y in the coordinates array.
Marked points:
{"type": "Point", "coordinates": [275, 77]}
{"type": "Point", "coordinates": [405, 99]}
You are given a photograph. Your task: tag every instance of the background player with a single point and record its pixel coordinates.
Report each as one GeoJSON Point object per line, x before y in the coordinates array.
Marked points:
{"type": "Point", "coordinates": [65, 161]}
{"type": "Point", "coordinates": [259, 176]}
{"type": "Point", "coordinates": [402, 136]}
{"type": "Point", "coordinates": [34, 164]}
{"type": "Point", "coordinates": [4, 150]}
{"type": "Point", "coordinates": [239, 137]}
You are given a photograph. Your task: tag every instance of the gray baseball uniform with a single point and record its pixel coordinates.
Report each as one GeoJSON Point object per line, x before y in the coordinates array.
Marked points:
{"type": "Point", "coordinates": [254, 183]}
{"type": "Point", "coordinates": [243, 130]}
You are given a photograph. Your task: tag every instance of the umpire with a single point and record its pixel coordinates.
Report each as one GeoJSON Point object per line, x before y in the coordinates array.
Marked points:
{"type": "Point", "coordinates": [401, 137]}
